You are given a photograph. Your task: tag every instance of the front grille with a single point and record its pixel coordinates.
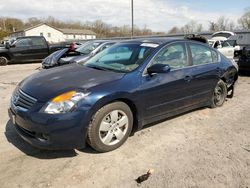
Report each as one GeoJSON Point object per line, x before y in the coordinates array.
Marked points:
{"type": "Point", "coordinates": [23, 100]}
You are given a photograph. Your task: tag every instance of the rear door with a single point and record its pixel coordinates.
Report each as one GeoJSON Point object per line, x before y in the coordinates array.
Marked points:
{"type": "Point", "coordinates": [164, 93]}
{"type": "Point", "coordinates": [39, 48]}
{"type": "Point", "coordinates": [205, 71]}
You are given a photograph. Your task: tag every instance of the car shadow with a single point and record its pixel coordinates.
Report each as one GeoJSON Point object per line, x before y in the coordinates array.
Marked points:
{"type": "Point", "coordinates": [26, 148]}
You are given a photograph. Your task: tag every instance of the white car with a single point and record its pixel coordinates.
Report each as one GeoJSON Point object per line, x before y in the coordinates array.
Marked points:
{"type": "Point", "coordinates": [220, 41]}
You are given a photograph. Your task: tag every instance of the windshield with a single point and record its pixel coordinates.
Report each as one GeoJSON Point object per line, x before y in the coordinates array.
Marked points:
{"type": "Point", "coordinates": [229, 43]}
{"type": "Point", "coordinates": [88, 47]}
{"type": "Point", "coordinates": [121, 57]}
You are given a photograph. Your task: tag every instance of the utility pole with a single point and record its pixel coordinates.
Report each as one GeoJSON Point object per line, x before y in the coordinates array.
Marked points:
{"type": "Point", "coordinates": [132, 15]}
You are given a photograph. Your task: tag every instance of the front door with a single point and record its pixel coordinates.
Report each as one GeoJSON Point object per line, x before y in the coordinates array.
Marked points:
{"type": "Point", "coordinates": [21, 49]}
{"type": "Point", "coordinates": [164, 93]}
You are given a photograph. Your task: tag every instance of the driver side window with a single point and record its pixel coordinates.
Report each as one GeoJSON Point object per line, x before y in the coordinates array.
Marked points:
{"type": "Point", "coordinates": [173, 55]}
{"type": "Point", "coordinates": [23, 43]}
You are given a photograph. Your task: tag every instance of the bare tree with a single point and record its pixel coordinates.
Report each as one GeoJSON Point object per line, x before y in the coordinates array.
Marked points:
{"type": "Point", "coordinates": [101, 28]}
{"type": "Point", "coordinates": [192, 27]}
{"type": "Point", "coordinates": [213, 26]}
{"type": "Point", "coordinates": [222, 23]}
{"type": "Point", "coordinates": [244, 21]}
{"type": "Point", "coordinates": [174, 30]}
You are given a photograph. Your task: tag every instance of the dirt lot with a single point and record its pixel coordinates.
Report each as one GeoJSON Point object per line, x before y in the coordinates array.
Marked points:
{"type": "Point", "coordinates": [203, 148]}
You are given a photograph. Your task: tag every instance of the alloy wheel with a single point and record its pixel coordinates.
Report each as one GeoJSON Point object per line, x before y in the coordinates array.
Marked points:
{"type": "Point", "coordinates": [113, 127]}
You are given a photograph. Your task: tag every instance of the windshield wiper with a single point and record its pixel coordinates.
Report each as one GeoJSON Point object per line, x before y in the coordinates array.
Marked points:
{"type": "Point", "coordinates": [97, 67]}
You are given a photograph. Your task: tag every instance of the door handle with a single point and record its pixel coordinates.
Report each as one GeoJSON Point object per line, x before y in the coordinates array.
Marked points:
{"type": "Point", "coordinates": [188, 78]}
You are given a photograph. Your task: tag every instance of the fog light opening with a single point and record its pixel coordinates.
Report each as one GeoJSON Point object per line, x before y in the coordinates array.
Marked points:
{"type": "Point", "coordinates": [42, 137]}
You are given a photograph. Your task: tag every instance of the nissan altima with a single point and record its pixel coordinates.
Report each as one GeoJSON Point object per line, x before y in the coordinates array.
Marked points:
{"type": "Point", "coordinates": [118, 91]}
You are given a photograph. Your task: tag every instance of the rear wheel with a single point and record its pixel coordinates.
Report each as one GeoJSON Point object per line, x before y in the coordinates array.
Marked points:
{"type": "Point", "coordinates": [3, 61]}
{"type": "Point", "coordinates": [219, 95]}
{"type": "Point", "coordinates": [110, 127]}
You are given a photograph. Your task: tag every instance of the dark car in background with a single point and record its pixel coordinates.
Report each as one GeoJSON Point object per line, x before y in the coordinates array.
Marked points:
{"type": "Point", "coordinates": [122, 88]}
{"type": "Point", "coordinates": [244, 59]}
{"type": "Point", "coordinates": [26, 49]}
{"type": "Point", "coordinates": [81, 53]}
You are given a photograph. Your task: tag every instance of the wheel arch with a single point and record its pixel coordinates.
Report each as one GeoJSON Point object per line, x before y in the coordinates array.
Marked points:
{"type": "Point", "coordinates": [131, 104]}
{"type": "Point", "coordinates": [5, 55]}
{"type": "Point", "coordinates": [134, 110]}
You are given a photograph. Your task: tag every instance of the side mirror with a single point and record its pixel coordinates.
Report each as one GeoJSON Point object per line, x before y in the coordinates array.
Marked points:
{"type": "Point", "coordinates": [158, 68]}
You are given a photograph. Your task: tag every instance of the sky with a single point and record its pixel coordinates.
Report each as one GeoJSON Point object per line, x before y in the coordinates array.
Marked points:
{"type": "Point", "coordinates": [158, 15]}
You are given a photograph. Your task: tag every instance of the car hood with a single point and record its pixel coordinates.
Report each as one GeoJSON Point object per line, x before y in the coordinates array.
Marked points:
{"type": "Point", "coordinates": [49, 83]}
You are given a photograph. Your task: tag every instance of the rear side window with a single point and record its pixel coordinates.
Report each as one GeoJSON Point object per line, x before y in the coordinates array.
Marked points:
{"type": "Point", "coordinates": [38, 42]}
{"type": "Point", "coordinates": [173, 55]}
{"type": "Point", "coordinates": [201, 54]}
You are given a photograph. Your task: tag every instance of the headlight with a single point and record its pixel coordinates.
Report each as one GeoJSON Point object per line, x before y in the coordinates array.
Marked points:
{"type": "Point", "coordinates": [64, 103]}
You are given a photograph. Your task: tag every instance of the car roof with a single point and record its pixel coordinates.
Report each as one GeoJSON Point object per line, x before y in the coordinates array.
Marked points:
{"type": "Point", "coordinates": [100, 41]}
{"type": "Point", "coordinates": [160, 40]}
{"type": "Point", "coordinates": [29, 37]}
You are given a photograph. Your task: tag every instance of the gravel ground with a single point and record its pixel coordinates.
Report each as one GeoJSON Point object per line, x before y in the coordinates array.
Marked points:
{"type": "Point", "coordinates": [202, 148]}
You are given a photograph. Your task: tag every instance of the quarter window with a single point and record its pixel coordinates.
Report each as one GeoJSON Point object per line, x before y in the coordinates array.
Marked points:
{"type": "Point", "coordinates": [201, 54]}
{"type": "Point", "coordinates": [173, 55]}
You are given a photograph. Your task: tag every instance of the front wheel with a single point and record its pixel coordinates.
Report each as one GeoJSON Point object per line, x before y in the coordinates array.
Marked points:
{"type": "Point", "coordinates": [110, 127]}
{"type": "Point", "coordinates": [3, 61]}
{"type": "Point", "coordinates": [219, 95]}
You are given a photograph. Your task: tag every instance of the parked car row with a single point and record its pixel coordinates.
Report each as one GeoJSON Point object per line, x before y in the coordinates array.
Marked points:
{"type": "Point", "coordinates": [79, 54]}
{"type": "Point", "coordinates": [120, 89]}
{"type": "Point", "coordinates": [235, 48]}
{"type": "Point", "coordinates": [222, 42]}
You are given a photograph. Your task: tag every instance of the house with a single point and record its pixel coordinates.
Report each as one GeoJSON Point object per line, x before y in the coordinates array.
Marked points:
{"type": "Point", "coordinates": [54, 35]}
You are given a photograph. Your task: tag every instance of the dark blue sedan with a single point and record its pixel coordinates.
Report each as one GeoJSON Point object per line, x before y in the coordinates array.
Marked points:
{"type": "Point", "coordinates": [121, 89]}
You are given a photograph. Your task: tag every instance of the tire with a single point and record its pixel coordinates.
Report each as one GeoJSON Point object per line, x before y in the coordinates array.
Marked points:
{"type": "Point", "coordinates": [219, 94]}
{"type": "Point", "coordinates": [110, 127]}
{"type": "Point", "coordinates": [3, 61]}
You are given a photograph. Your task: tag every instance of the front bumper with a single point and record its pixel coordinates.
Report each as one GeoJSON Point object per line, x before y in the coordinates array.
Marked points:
{"type": "Point", "coordinates": [47, 131]}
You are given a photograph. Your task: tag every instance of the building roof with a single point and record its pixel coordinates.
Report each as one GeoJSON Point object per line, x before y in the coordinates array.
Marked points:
{"type": "Point", "coordinates": [64, 31]}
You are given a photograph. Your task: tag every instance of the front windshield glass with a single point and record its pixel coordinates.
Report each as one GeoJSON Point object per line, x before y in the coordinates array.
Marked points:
{"type": "Point", "coordinates": [229, 43]}
{"type": "Point", "coordinates": [88, 47]}
{"type": "Point", "coordinates": [121, 57]}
